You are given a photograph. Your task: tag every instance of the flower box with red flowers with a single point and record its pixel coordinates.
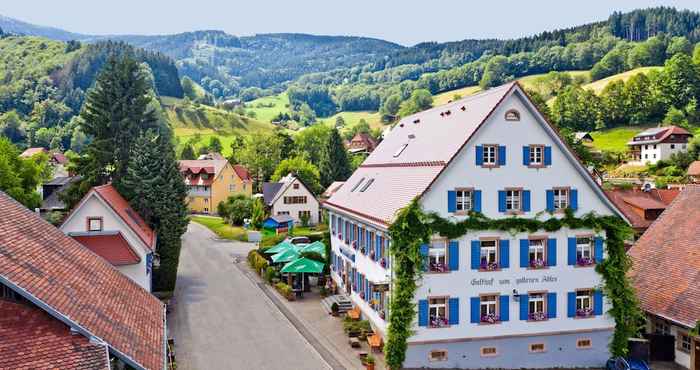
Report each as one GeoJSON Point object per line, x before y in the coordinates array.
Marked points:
{"type": "Point", "coordinates": [538, 264]}
{"type": "Point", "coordinates": [489, 266]}
{"type": "Point", "coordinates": [489, 319]}
{"type": "Point", "coordinates": [584, 261]}
{"type": "Point", "coordinates": [537, 316]}
{"type": "Point", "coordinates": [584, 312]}
{"type": "Point", "coordinates": [438, 322]}
{"type": "Point", "coordinates": [437, 267]}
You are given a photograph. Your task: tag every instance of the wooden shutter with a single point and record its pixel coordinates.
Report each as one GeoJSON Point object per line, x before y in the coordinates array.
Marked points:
{"type": "Point", "coordinates": [551, 305]}
{"type": "Point", "coordinates": [476, 201]}
{"type": "Point", "coordinates": [598, 249]}
{"type": "Point", "coordinates": [550, 200]}
{"type": "Point", "coordinates": [524, 307]}
{"type": "Point", "coordinates": [475, 310]}
{"type": "Point", "coordinates": [453, 254]}
{"type": "Point", "coordinates": [504, 304]}
{"type": "Point", "coordinates": [571, 304]}
{"type": "Point", "coordinates": [479, 155]}
{"type": "Point", "coordinates": [501, 201]}
{"type": "Point", "coordinates": [573, 199]}
{"type": "Point", "coordinates": [551, 252]}
{"type": "Point", "coordinates": [424, 252]}
{"type": "Point", "coordinates": [572, 252]}
{"type": "Point", "coordinates": [476, 255]}
{"type": "Point", "coordinates": [597, 302]}
{"type": "Point", "coordinates": [423, 312]}
{"type": "Point", "coordinates": [451, 201]}
{"type": "Point", "coordinates": [453, 311]}
{"type": "Point", "coordinates": [524, 253]}
{"type": "Point", "coordinates": [526, 155]}
{"type": "Point", "coordinates": [504, 246]}
{"type": "Point", "coordinates": [526, 200]}
{"type": "Point", "coordinates": [501, 155]}
{"type": "Point", "coordinates": [547, 155]}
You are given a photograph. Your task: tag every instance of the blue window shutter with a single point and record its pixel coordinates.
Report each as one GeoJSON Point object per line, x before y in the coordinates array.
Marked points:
{"type": "Point", "coordinates": [501, 155]}
{"type": "Point", "coordinates": [526, 200]}
{"type": "Point", "coordinates": [571, 304]}
{"type": "Point", "coordinates": [524, 253]}
{"type": "Point", "coordinates": [504, 245]}
{"type": "Point", "coordinates": [550, 200]}
{"type": "Point", "coordinates": [367, 237]}
{"type": "Point", "coordinates": [551, 305]}
{"type": "Point", "coordinates": [475, 309]}
{"type": "Point", "coordinates": [524, 307]}
{"type": "Point", "coordinates": [423, 312]}
{"type": "Point", "coordinates": [504, 304]}
{"type": "Point", "coordinates": [451, 201]}
{"type": "Point", "coordinates": [476, 255]}
{"type": "Point", "coordinates": [378, 248]}
{"type": "Point", "coordinates": [597, 302]}
{"type": "Point", "coordinates": [477, 201]}
{"type": "Point", "coordinates": [501, 201]}
{"type": "Point", "coordinates": [454, 311]}
{"type": "Point", "coordinates": [453, 253]}
{"type": "Point", "coordinates": [548, 156]}
{"type": "Point", "coordinates": [551, 252]}
{"type": "Point", "coordinates": [424, 252]}
{"type": "Point", "coordinates": [526, 156]}
{"type": "Point", "coordinates": [572, 252]}
{"type": "Point", "coordinates": [598, 249]}
{"type": "Point", "coordinates": [368, 291]}
{"type": "Point", "coordinates": [479, 155]}
{"type": "Point", "coordinates": [573, 199]}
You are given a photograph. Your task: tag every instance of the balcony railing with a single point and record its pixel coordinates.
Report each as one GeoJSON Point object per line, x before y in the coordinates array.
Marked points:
{"type": "Point", "coordinates": [195, 191]}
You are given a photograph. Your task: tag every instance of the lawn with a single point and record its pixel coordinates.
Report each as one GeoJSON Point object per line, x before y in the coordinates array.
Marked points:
{"type": "Point", "coordinates": [598, 86]}
{"type": "Point", "coordinates": [221, 228]}
{"type": "Point", "coordinates": [615, 139]}
{"type": "Point", "coordinates": [266, 108]}
{"type": "Point", "coordinates": [444, 98]}
{"type": "Point", "coordinates": [353, 118]}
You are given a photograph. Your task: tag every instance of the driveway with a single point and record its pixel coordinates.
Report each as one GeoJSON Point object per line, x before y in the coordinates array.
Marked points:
{"type": "Point", "coordinates": [221, 320]}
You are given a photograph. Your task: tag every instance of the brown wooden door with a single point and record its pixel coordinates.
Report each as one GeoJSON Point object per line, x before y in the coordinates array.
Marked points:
{"type": "Point", "coordinates": [695, 358]}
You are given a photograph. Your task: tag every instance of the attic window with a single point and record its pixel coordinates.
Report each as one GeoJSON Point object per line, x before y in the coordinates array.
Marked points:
{"type": "Point", "coordinates": [400, 150]}
{"type": "Point", "coordinates": [512, 115]}
{"type": "Point", "coordinates": [358, 184]}
{"type": "Point", "coordinates": [366, 185]}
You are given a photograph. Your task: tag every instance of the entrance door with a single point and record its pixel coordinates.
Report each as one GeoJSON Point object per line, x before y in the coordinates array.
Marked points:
{"type": "Point", "coordinates": [695, 358]}
{"type": "Point", "coordinates": [662, 347]}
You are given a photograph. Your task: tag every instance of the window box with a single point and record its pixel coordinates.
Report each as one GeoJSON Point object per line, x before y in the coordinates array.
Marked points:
{"type": "Point", "coordinates": [438, 322]}
{"type": "Point", "coordinates": [538, 263]}
{"type": "Point", "coordinates": [382, 262]}
{"type": "Point", "coordinates": [489, 266]}
{"type": "Point", "coordinates": [585, 261]}
{"type": "Point", "coordinates": [584, 312]}
{"type": "Point", "coordinates": [438, 267]}
{"type": "Point", "coordinates": [537, 316]}
{"type": "Point", "coordinates": [490, 319]}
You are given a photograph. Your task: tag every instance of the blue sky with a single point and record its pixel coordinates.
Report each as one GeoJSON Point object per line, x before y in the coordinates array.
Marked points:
{"type": "Point", "coordinates": [406, 22]}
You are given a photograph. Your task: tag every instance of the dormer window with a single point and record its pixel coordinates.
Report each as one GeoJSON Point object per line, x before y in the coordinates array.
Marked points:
{"type": "Point", "coordinates": [366, 185]}
{"type": "Point", "coordinates": [512, 115]}
{"type": "Point", "coordinates": [357, 185]}
{"type": "Point", "coordinates": [94, 223]}
{"type": "Point", "coordinates": [400, 150]}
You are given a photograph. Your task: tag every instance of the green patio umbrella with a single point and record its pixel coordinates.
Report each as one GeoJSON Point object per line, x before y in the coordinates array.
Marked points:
{"type": "Point", "coordinates": [286, 256]}
{"type": "Point", "coordinates": [281, 247]}
{"type": "Point", "coordinates": [304, 265]}
{"type": "Point", "coordinates": [315, 247]}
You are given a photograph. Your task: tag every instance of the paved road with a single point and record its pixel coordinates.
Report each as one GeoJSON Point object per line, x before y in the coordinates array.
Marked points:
{"type": "Point", "coordinates": [221, 320]}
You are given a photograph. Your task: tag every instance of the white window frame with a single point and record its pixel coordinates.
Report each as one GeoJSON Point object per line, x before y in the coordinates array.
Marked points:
{"type": "Point", "coordinates": [231, 188]}
{"type": "Point", "coordinates": [584, 250]}
{"type": "Point", "coordinates": [537, 306]}
{"type": "Point", "coordinates": [537, 250]}
{"type": "Point", "coordinates": [488, 254]}
{"type": "Point", "coordinates": [514, 199]}
{"type": "Point", "coordinates": [536, 155]}
{"type": "Point", "coordinates": [584, 301]}
{"type": "Point", "coordinates": [465, 200]}
{"type": "Point", "coordinates": [488, 305]}
{"type": "Point", "coordinates": [437, 255]}
{"type": "Point", "coordinates": [490, 155]}
{"type": "Point", "coordinates": [561, 198]}
{"type": "Point", "coordinates": [437, 355]}
{"type": "Point", "coordinates": [100, 223]}
{"type": "Point", "coordinates": [684, 345]}
{"type": "Point", "coordinates": [437, 312]}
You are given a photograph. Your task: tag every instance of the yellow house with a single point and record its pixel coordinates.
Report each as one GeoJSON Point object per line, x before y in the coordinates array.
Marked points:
{"type": "Point", "coordinates": [211, 181]}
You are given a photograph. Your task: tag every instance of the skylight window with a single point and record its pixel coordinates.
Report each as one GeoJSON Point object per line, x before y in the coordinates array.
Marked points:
{"type": "Point", "coordinates": [358, 184]}
{"type": "Point", "coordinates": [400, 150]}
{"type": "Point", "coordinates": [366, 185]}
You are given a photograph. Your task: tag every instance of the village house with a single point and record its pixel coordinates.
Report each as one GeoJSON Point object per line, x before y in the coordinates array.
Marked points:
{"type": "Point", "coordinates": [666, 275]}
{"type": "Point", "coordinates": [51, 193]}
{"type": "Point", "coordinates": [655, 144]}
{"type": "Point", "coordinates": [57, 160]}
{"type": "Point", "coordinates": [694, 172]}
{"type": "Point", "coordinates": [488, 299]}
{"type": "Point", "coordinates": [105, 223]}
{"type": "Point", "coordinates": [583, 137]}
{"type": "Point", "coordinates": [642, 206]}
{"type": "Point", "coordinates": [291, 197]}
{"type": "Point", "coordinates": [64, 307]}
{"type": "Point", "coordinates": [211, 181]}
{"type": "Point", "coordinates": [362, 142]}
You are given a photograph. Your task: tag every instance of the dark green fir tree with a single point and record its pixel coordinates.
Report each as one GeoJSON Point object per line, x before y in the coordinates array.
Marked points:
{"type": "Point", "coordinates": [335, 165]}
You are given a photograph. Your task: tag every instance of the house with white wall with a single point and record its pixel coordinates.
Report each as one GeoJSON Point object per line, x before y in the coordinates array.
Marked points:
{"type": "Point", "coordinates": [105, 223]}
{"type": "Point", "coordinates": [488, 299]}
{"type": "Point", "coordinates": [290, 196]}
{"type": "Point", "coordinates": [655, 144]}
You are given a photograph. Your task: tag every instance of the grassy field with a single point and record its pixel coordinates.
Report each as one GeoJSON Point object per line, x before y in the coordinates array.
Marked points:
{"type": "Point", "coordinates": [598, 86]}
{"type": "Point", "coordinates": [353, 118]}
{"type": "Point", "coordinates": [220, 228]}
{"type": "Point", "coordinates": [615, 140]}
{"type": "Point", "coordinates": [268, 107]}
{"type": "Point", "coordinates": [530, 82]}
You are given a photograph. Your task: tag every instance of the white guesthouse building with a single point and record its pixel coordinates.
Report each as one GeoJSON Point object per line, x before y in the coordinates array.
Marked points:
{"type": "Point", "coordinates": [489, 299]}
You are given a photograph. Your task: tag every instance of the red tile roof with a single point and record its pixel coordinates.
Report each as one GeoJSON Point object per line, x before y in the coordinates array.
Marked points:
{"type": "Point", "coordinates": [59, 158]}
{"type": "Point", "coordinates": [242, 172]}
{"type": "Point", "coordinates": [122, 208]}
{"type": "Point", "coordinates": [666, 261]}
{"type": "Point", "coordinates": [29, 152]}
{"type": "Point", "coordinates": [633, 202]}
{"type": "Point", "coordinates": [74, 285]}
{"type": "Point", "coordinates": [694, 169]}
{"type": "Point", "coordinates": [31, 339]}
{"type": "Point", "coordinates": [112, 247]}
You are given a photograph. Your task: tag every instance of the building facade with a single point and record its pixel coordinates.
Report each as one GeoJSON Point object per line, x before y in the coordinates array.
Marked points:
{"type": "Point", "coordinates": [104, 222]}
{"type": "Point", "coordinates": [488, 299]}
{"type": "Point", "coordinates": [211, 181]}
{"type": "Point", "coordinates": [291, 197]}
{"type": "Point", "coordinates": [655, 144]}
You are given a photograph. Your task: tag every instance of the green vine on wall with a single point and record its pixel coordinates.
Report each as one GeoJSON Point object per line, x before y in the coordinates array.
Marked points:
{"type": "Point", "coordinates": [414, 227]}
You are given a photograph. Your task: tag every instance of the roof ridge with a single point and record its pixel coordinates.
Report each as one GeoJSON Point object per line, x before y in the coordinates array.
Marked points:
{"type": "Point", "coordinates": [666, 212]}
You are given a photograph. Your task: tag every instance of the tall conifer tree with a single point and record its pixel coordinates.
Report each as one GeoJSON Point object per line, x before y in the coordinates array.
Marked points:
{"type": "Point", "coordinates": [335, 165]}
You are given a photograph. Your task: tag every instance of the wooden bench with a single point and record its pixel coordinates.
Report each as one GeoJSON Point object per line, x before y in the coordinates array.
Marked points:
{"type": "Point", "coordinates": [375, 342]}
{"type": "Point", "coordinates": [354, 314]}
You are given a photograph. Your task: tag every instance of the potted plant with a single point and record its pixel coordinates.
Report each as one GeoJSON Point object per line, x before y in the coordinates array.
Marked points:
{"type": "Point", "coordinates": [369, 362]}
{"type": "Point", "coordinates": [335, 309]}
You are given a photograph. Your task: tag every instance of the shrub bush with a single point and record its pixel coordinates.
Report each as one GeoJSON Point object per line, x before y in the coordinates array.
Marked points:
{"type": "Point", "coordinates": [256, 261]}
{"type": "Point", "coordinates": [285, 290]}
{"type": "Point", "coordinates": [270, 273]}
